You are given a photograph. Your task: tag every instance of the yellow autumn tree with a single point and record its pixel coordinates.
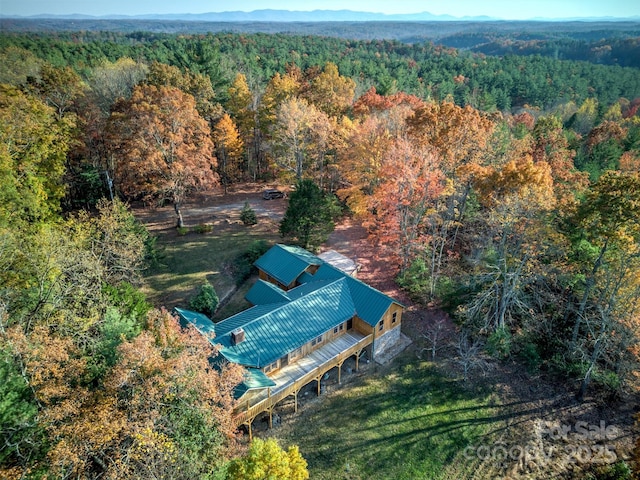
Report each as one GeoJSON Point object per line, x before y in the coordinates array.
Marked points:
{"type": "Point", "coordinates": [266, 460]}
{"type": "Point", "coordinates": [331, 92]}
{"type": "Point", "coordinates": [229, 149]}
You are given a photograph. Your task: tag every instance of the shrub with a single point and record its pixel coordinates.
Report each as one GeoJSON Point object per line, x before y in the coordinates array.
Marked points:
{"type": "Point", "coordinates": [205, 301]}
{"type": "Point", "coordinates": [248, 215]}
{"type": "Point", "coordinates": [182, 230]}
{"type": "Point", "coordinates": [266, 459]}
{"type": "Point", "coordinates": [499, 343]}
{"type": "Point", "coordinates": [529, 354]}
{"type": "Point", "coordinates": [616, 471]}
{"type": "Point", "coordinates": [203, 228]}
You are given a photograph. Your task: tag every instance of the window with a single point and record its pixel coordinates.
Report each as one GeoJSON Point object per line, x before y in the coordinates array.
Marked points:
{"type": "Point", "coordinates": [380, 325]}
{"type": "Point", "coordinates": [271, 367]}
{"type": "Point", "coordinates": [295, 354]}
{"type": "Point", "coordinates": [316, 341]}
{"type": "Point", "coordinates": [394, 317]}
{"type": "Point", "coordinates": [341, 326]}
{"type": "Point", "coordinates": [335, 330]}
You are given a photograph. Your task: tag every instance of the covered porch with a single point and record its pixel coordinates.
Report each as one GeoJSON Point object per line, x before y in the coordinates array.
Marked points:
{"type": "Point", "coordinates": [291, 378]}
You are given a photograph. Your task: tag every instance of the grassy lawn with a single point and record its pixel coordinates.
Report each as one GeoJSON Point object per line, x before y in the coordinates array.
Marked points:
{"type": "Point", "coordinates": [401, 421]}
{"type": "Point", "coordinates": [190, 260]}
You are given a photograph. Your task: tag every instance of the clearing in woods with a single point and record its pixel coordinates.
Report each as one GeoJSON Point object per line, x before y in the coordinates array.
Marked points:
{"type": "Point", "coordinates": [412, 418]}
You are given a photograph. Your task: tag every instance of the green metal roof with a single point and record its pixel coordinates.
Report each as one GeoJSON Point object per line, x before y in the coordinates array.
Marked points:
{"type": "Point", "coordinates": [280, 322]}
{"type": "Point", "coordinates": [202, 323]}
{"type": "Point", "coordinates": [288, 326]}
{"type": "Point", "coordinates": [265, 293]}
{"type": "Point", "coordinates": [286, 263]}
{"type": "Point", "coordinates": [370, 304]}
{"type": "Point", "coordinates": [254, 379]}
{"type": "Point", "coordinates": [238, 320]}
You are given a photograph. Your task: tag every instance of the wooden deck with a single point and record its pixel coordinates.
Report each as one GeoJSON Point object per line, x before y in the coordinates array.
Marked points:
{"type": "Point", "coordinates": [290, 379]}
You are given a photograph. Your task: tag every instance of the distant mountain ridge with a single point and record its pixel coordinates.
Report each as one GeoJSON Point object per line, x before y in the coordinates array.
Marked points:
{"type": "Point", "coordinates": [269, 15]}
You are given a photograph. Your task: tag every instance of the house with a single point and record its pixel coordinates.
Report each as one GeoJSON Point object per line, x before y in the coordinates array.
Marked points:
{"type": "Point", "coordinates": [307, 317]}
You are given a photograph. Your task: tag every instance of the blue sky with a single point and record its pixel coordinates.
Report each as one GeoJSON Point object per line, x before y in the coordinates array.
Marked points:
{"type": "Point", "coordinates": [507, 9]}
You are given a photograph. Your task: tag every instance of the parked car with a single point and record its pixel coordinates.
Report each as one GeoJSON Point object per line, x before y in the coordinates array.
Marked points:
{"type": "Point", "coordinates": [272, 193]}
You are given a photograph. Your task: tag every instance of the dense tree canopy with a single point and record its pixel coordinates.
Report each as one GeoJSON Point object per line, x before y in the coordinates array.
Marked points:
{"type": "Point", "coordinates": [505, 190]}
{"type": "Point", "coordinates": [310, 215]}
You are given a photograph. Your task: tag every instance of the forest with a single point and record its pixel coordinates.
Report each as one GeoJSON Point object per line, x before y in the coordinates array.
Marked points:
{"type": "Point", "coordinates": [504, 190]}
{"type": "Point", "coordinates": [604, 42]}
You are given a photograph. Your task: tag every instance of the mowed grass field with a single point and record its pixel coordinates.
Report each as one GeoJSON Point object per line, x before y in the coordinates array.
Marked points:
{"type": "Point", "coordinates": [187, 261]}
{"type": "Point", "coordinates": [404, 420]}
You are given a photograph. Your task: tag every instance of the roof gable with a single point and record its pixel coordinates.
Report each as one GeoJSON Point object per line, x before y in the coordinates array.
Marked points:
{"type": "Point", "coordinates": [286, 263]}
{"type": "Point", "coordinates": [370, 304]}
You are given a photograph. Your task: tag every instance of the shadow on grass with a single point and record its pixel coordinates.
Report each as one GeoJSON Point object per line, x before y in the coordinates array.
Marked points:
{"type": "Point", "coordinates": [190, 260]}
{"type": "Point", "coordinates": [403, 421]}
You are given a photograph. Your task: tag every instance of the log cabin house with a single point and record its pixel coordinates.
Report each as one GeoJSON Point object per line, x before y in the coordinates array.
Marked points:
{"type": "Point", "coordinates": [307, 317]}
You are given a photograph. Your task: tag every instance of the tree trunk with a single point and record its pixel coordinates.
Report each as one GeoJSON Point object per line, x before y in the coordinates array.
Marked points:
{"type": "Point", "coordinates": [176, 207]}
{"type": "Point", "coordinates": [590, 283]}
{"type": "Point", "coordinates": [592, 364]}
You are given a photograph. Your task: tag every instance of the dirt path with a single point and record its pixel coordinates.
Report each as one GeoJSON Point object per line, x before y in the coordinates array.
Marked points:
{"type": "Point", "coordinates": [213, 208]}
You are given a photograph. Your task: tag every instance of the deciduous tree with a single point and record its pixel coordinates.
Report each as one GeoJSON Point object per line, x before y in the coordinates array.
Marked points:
{"type": "Point", "coordinates": [229, 149]}
{"type": "Point", "coordinates": [404, 198]}
{"type": "Point", "coordinates": [330, 92]}
{"type": "Point", "coordinates": [300, 137]}
{"type": "Point", "coordinates": [33, 145]}
{"type": "Point", "coordinates": [112, 81]}
{"type": "Point", "coordinates": [163, 146]}
{"type": "Point", "coordinates": [607, 241]}
{"type": "Point", "coordinates": [266, 460]}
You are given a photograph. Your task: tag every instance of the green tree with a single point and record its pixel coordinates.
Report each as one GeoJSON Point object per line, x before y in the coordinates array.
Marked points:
{"type": "Point", "coordinates": [206, 300]}
{"type": "Point", "coordinates": [18, 65]}
{"type": "Point", "coordinates": [266, 460]}
{"type": "Point", "coordinates": [33, 145]}
{"type": "Point", "coordinates": [18, 414]}
{"type": "Point", "coordinates": [248, 215]}
{"type": "Point", "coordinates": [310, 215]}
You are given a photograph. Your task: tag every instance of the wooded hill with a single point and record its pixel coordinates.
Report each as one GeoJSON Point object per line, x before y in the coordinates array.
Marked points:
{"type": "Point", "coordinates": [506, 190]}
{"type": "Point", "coordinates": [602, 42]}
